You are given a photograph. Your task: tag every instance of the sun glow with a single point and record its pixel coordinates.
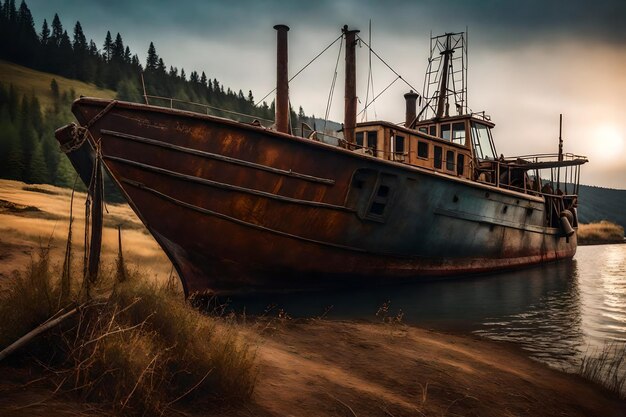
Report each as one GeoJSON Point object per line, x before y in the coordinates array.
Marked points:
{"type": "Point", "coordinates": [608, 144]}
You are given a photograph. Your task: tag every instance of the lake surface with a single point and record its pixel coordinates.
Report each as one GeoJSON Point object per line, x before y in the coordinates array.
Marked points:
{"type": "Point", "coordinates": [556, 312]}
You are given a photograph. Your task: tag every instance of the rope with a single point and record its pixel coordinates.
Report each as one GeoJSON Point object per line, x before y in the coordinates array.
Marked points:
{"type": "Point", "coordinates": [379, 94]}
{"type": "Point", "coordinates": [302, 69]}
{"type": "Point", "coordinates": [79, 135]}
{"type": "Point", "coordinates": [329, 102]}
{"type": "Point", "coordinates": [384, 62]}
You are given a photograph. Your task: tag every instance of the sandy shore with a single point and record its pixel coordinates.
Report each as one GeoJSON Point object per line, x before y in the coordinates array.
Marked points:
{"type": "Point", "coordinates": [330, 368]}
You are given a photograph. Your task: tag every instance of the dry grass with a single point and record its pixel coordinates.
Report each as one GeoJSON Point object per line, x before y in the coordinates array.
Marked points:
{"type": "Point", "coordinates": [607, 367]}
{"type": "Point", "coordinates": [30, 214]}
{"type": "Point", "coordinates": [139, 350]}
{"type": "Point", "coordinates": [27, 80]}
{"type": "Point", "coordinates": [602, 232]}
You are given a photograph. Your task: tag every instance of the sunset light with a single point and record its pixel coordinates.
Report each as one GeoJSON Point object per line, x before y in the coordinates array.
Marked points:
{"type": "Point", "coordinates": [608, 143]}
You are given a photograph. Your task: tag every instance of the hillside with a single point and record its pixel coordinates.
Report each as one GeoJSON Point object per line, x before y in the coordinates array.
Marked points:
{"type": "Point", "coordinates": [597, 203]}
{"type": "Point", "coordinates": [27, 80]}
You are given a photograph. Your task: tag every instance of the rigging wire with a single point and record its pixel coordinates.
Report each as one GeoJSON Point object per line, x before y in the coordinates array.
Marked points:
{"type": "Point", "coordinates": [379, 94]}
{"type": "Point", "coordinates": [386, 64]}
{"type": "Point", "coordinates": [302, 69]}
{"type": "Point", "coordinates": [329, 102]}
{"type": "Point", "coordinates": [370, 78]}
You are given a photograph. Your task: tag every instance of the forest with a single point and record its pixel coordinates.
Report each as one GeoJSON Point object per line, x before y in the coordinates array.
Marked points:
{"type": "Point", "coordinates": [28, 150]}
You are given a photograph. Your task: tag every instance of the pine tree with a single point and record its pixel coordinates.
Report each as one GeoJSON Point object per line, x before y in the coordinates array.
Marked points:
{"type": "Point", "coordinates": [65, 56]}
{"type": "Point", "coordinates": [51, 154]}
{"type": "Point", "coordinates": [161, 69]}
{"type": "Point", "coordinates": [81, 53]}
{"type": "Point", "coordinates": [80, 41]}
{"type": "Point", "coordinates": [13, 103]}
{"type": "Point", "coordinates": [153, 59]}
{"type": "Point", "coordinates": [37, 168]}
{"type": "Point", "coordinates": [107, 47]}
{"type": "Point", "coordinates": [117, 51]}
{"type": "Point", "coordinates": [65, 174]}
{"type": "Point", "coordinates": [57, 30]}
{"type": "Point", "coordinates": [35, 115]}
{"type": "Point", "coordinates": [203, 79]}
{"type": "Point", "coordinates": [93, 49]}
{"type": "Point", "coordinates": [44, 36]}
{"type": "Point", "coordinates": [14, 168]}
{"type": "Point", "coordinates": [127, 56]}
{"type": "Point", "coordinates": [183, 76]}
{"type": "Point", "coordinates": [127, 90]}
{"type": "Point", "coordinates": [250, 97]}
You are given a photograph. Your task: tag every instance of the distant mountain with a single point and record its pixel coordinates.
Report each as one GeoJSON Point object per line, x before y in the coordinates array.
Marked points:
{"type": "Point", "coordinates": [597, 203]}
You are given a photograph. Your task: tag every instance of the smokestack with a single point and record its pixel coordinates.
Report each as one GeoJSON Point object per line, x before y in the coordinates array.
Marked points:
{"type": "Point", "coordinates": [350, 95]}
{"type": "Point", "coordinates": [411, 108]}
{"type": "Point", "coordinates": [282, 80]}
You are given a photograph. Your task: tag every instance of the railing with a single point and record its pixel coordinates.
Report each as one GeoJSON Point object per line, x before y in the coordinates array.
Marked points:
{"type": "Point", "coordinates": [216, 110]}
{"type": "Point", "coordinates": [545, 157]}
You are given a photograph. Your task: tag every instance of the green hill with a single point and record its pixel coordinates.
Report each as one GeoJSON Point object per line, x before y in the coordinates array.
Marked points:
{"type": "Point", "coordinates": [597, 203]}
{"type": "Point", "coordinates": [27, 80]}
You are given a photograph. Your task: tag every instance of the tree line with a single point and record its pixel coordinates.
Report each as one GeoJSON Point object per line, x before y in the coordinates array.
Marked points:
{"type": "Point", "coordinates": [28, 150]}
{"type": "Point", "coordinates": [114, 66]}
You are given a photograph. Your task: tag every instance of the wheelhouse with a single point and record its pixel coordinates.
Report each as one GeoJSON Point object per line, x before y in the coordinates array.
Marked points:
{"type": "Point", "coordinates": [453, 145]}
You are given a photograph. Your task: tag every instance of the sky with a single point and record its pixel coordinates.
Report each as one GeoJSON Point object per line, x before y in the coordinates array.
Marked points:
{"type": "Point", "coordinates": [528, 61]}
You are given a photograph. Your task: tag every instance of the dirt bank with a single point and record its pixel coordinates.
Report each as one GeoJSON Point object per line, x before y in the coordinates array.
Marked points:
{"type": "Point", "coordinates": [324, 368]}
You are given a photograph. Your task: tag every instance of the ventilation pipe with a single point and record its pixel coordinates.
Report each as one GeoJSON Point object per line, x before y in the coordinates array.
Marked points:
{"type": "Point", "coordinates": [411, 108]}
{"type": "Point", "coordinates": [282, 80]}
{"type": "Point", "coordinates": [349, 123]}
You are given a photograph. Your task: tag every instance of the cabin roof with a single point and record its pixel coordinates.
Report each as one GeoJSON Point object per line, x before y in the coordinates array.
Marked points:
{"type": "Point", "coordinates": [414, 132]}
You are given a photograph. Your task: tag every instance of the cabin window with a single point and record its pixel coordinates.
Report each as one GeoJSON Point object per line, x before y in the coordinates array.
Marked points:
{"type": "Point", "coordinates": [450, 160]}
{"type": "Point", "coordinates": [423, 129]}
{"type": "Point", "coordinates": [460, 164]}
{"type": "Point", "coordinates": [398, 145]}
{"type": "Point", "coordinates": [481, 138]}
{"type": "Point", "coordinates": [372, 141]}
{"type": "Point", "coordinates": [359, 139]}
{"type": "Point", "coordinates": [438, 157]}
{"type": "Point", "coordinates": [445, 131]}
{"type": "Point", "coordinates": [458, 133]}
{"type": "Point", "coordinates": [432, 130]}
{"type": "Point", "coordinates": [422, 149]}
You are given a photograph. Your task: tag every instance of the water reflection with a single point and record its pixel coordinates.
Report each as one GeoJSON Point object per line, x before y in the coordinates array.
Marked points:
{"type": "Point", "coordinates": [550, 326]}
{"type": "Point", "coordinates": [555, 311]}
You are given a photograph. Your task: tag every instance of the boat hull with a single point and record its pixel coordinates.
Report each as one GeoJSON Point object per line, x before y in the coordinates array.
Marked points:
{"type": "Point", "coordinates": [238, 207]}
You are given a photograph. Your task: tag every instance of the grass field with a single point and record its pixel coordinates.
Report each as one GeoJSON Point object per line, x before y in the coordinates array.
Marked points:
{"type": "Point", "coordinates": [27, 80]}
{"type": "Point", "coordinates": [32, 216]}
{"type": "Point", "coordinates": [600, 232]}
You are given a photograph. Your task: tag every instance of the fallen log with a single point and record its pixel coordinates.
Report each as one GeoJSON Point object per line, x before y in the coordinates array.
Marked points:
{"type": "Point", "coordinates": [28, 337]}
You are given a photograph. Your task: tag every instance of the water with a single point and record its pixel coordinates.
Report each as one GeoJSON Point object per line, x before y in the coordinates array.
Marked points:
{"type": "Point", "coordinates": [557, 312]}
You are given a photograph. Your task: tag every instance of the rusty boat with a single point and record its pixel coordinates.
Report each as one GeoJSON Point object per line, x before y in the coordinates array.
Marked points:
{"type": "Point", "coordinates": [240, 206]}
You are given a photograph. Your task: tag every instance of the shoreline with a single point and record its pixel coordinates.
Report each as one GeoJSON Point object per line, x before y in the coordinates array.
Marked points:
{"type": "Point", "coordinates": [602, 242]}
{"type": "Point", "coordinates": [325, 367]}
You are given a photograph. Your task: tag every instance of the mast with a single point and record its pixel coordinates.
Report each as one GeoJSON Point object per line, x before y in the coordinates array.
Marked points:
{"type": "Point", "coordinates": [350, 86]}
{"type": "Point", "coordinates": [443, 86]}
{"type": "Point", "coordinates": [282, 80]}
